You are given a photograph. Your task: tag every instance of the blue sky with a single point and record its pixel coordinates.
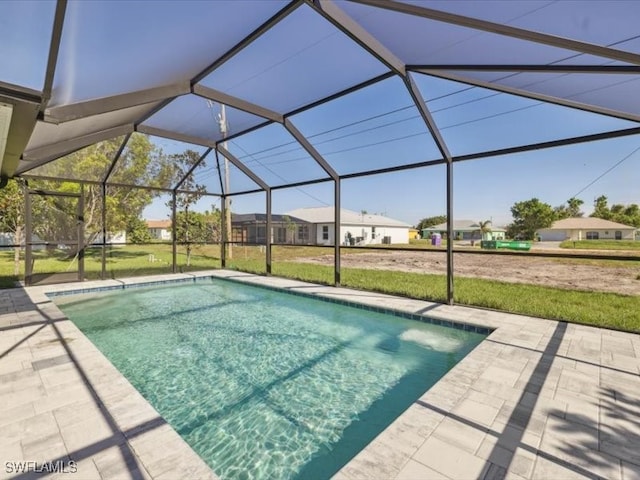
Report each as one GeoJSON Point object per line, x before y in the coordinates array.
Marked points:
{"type": "Point", "coordinates": [372, 128]}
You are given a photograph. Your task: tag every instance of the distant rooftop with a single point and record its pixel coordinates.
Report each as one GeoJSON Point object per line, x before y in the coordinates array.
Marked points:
{"type": "Point", "coordinates": [158, 223]}
{"type": "Point", "coordinates": [262, 217]}
{"type": "Point", "coordinates": [347, 217]}
{"type": "Point", "coordinates": [460, 225]}
{"type": "Point", "coordinates": [582, 223]}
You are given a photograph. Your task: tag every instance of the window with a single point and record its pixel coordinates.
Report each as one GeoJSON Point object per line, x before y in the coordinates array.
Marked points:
{"type": "Point", "coordinates": [325, 232]}
{"type": "Point", "coordinates": [279, 235]}
{"type": "Point", "coordinates": [592, 236]}
{"type": "Point", "coordinates": [303, 233]}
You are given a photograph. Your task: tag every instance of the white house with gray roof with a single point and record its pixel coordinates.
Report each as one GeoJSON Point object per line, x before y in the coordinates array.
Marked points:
{"type": "Point", "coordinates": [465, 230]}
{"type": "Point", "coordinates": [586, 228]}
{"type": "Point", "coordinates": [355, 228]}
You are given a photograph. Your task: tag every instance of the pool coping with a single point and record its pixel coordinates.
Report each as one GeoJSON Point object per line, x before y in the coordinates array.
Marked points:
{"type": "Point", "coordinates": [499, 412]}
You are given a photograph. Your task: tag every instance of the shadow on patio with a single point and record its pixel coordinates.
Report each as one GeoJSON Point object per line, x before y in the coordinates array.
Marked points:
{"type": "Point", "coordinates": [65, 408]}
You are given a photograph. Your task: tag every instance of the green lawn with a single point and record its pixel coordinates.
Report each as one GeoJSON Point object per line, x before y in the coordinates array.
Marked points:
{"type": "Point", "coordinates": [591, 308]}
{"type": "Point", "coordinates": [126, 261]}
{"type": "Point", "coordinates": [601, 244]}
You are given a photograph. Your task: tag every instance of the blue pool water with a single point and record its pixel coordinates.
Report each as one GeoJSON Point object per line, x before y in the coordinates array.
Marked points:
{"type": "Point", "coordinates": [264, 384]}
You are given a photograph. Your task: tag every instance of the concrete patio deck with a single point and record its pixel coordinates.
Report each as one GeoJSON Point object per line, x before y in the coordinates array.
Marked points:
{"type": "Point", "coordinates": [537, 399]}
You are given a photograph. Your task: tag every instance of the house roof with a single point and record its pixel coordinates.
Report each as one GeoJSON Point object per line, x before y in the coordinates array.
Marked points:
{"type": "Point", "coordinates": [158, 223]}
{"type": "Point", "coordinates": [347, 217]}
{"type": "Point", "coordinates": [461, 225]}
{"type": "Point", "coordinates": [584, 223]}
{"type": "Point", "coordinates": [262, 217]}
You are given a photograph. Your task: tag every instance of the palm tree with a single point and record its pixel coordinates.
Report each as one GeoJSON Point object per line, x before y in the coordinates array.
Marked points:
{"type": "Point", "coordinates": [484, 226]}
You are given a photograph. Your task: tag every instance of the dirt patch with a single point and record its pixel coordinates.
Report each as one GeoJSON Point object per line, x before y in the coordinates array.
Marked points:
{"type": "Point", "coordinates": [564, 273]}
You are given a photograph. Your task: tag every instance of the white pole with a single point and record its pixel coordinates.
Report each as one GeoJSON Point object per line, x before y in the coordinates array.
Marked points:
{"type": "Point", "coordinates": [227, 199]}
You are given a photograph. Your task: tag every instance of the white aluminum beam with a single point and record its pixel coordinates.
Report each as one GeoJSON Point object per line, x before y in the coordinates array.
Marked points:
{"type": "Point", "coordinates": [42, 155]}
{"type": "Point", "coordinates": [160, 132]}
{"type": "Point", "coordinates": [501, 29]}
{"type": "Point", "coordinates": [310, 149]}
{"type": "Point", "coordinates": [534, 96]}
{"type": "Point", "coordinates": [243, 168]}
{"type": "Point", "coordinates": [344, 22]}
{"type": "Point", "coordinates": [66, 113]}
{"type": "Point", "coordinates": [238, 103]}
{"type": "Point", "coordinates": [54, 49]}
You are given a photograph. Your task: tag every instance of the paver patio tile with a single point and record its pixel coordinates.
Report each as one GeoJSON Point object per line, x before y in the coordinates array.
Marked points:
{"type": "Point", "coordinates": [578, 444]}
{"type": "Point", "coordinates": [512, 437]}
{"type": "Point", "coordinates": [119, 463]}
{"type": "Point", "coordinates": [84, 470]}
{"type": "Point", "coordinates": [60, 396]}
{"type": "Point", "coordinates": [11, 452]}
{"type": "Point", "coordinates": [522, 417]}
{"type": "Point", "coordinates": [414, 470]}
{"type": "Point", "coordinates": [450, 460]}
{"type": "Point", "coordinates": [366, 466]}
{"type": "Point", "coordinates": [16, 414]}
{"type": "Point", "coordinates": [419, 420]}
{"type": "Point", "coordinates": [37, 426]}
{"type": "Point", "coordinates": [77, 412]}
{"type": "Point", "coordinates": [462, 435]}
{"type": "Point", "coordinates": [179, 465]}
{"type": "Point", "coordinates": [501, 375]}
{"type": "Point", "coordinates": [546, 470]}
{"type": "Point", "coordinates": [45, 449]}
{"type": "Point", "coordinates": [630, 471]}
{"type": "Point", "coordinates": [88, 432]}
{"type": "Point", "coordinates": [476, 412]}
{"type": "Point", "coordinates": [622, 362]}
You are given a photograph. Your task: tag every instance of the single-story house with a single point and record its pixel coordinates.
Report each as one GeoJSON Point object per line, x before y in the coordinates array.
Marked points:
{"type": "Point", "coordinates": [159, 229]}
{"type": "Point", "coordinates": [465, 230]}
{"type": "Point", "coordinates": [586, 228]}
{"type": "Point", "coordinates": [251, 228]}
{"type": "Point", "coordinates": [355, 228]}
{"type": "Point", "coordinates": [112, 238]}
{"type": "Point", "coordinates": [7, 242]}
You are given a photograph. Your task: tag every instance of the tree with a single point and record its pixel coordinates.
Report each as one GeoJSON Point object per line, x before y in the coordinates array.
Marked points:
{"type": "Point", "coordinates": [189, 227]}
{"type": "Point", "coordinates": [625, 214]}
{"type": "Point", "coordinates": [528, 217]}
{"type": "Point", "coordinates": [600, 208]}
{"type": "Point", "coordinates": [213, 224]}
{"type": "Point", "coordinates": [291, 227]}
{"type": "Point", "coordinates": [483, 227]}
{"type": "Point", "coordinates": [570, 210]}
{"type": "Point", "coordinates": [630, 215]}
{"type": "Point", "coordinates": [12, 217]}
{"type": "Point", "coordinates": [141, 163]}
{"type": "Point", "coordinates": [430, 222]}
{"type": "Point", "coordinates": [137, 231]}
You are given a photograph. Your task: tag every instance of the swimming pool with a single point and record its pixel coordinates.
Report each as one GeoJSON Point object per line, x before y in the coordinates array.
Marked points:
{"type": "Point", "coordinates": [264, 384]}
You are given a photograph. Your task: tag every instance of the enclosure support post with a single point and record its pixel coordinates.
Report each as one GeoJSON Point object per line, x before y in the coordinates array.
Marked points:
{"type": "Point", "coordinates": [103, 275]}
{"type": "Point", "coordinates": [28, 260]}
{"type": "Point", "coordinates": [336, 233]}
{"type": "Point", "coordinates": [80, 226]}
{"type": "Point", "coordinates": [268, 232]}
{"type": "Point", "coordinates": [223, 241]}
{"type": "Point", "coordinates": [174, 236]}
{"type": "Point", "coordinates": [449, 232]}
